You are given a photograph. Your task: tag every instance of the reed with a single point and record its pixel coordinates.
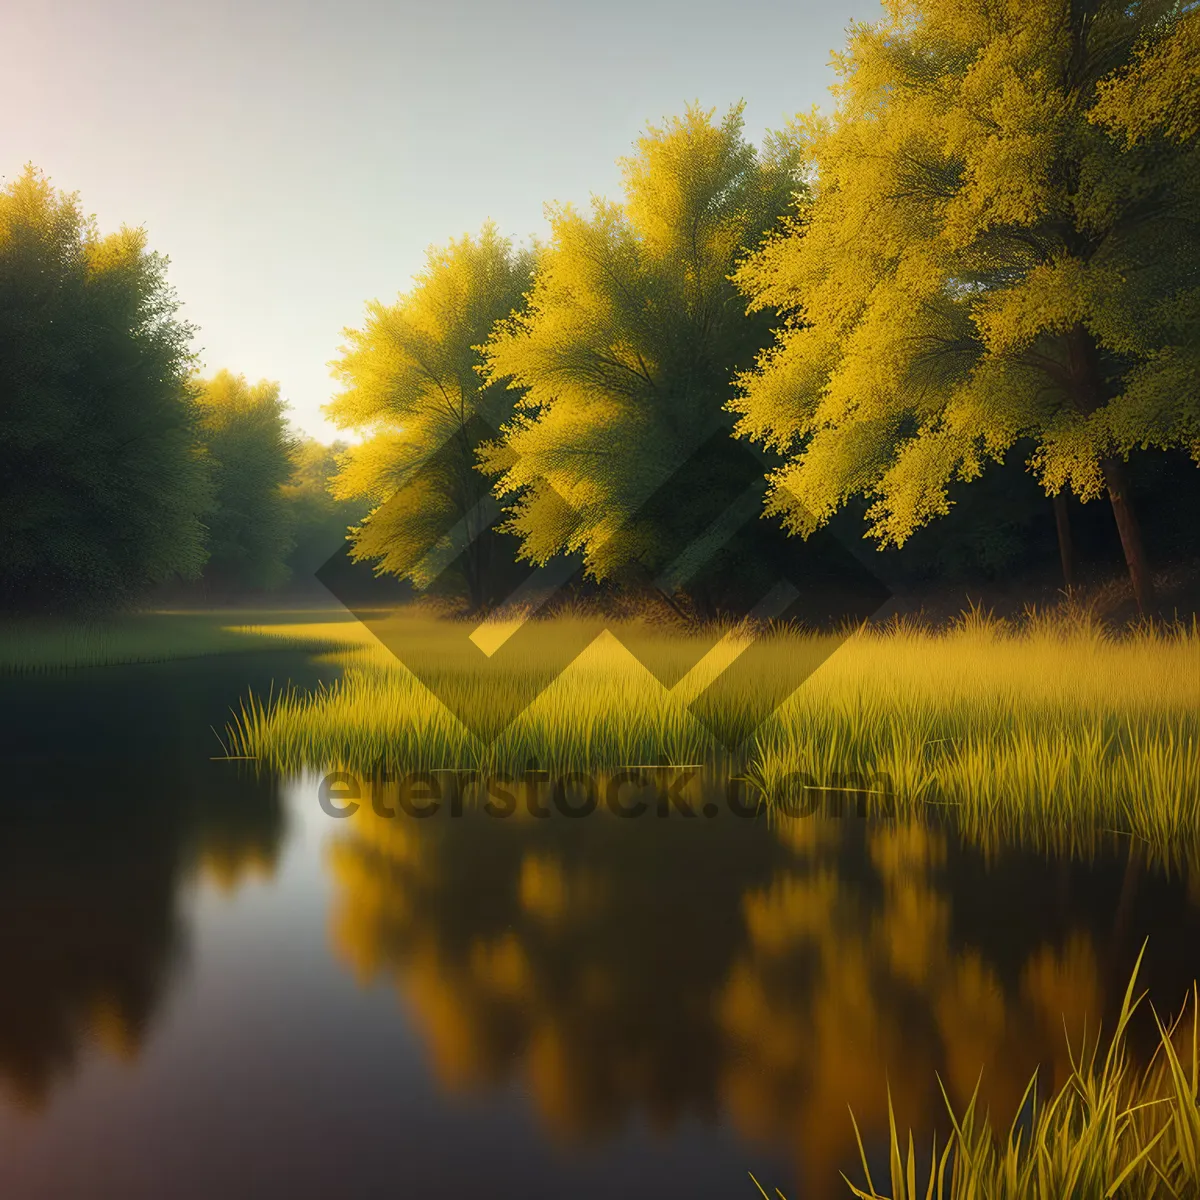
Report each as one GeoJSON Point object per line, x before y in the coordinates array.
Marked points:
{"type": "Point", "coordinates": [1112, 1132]}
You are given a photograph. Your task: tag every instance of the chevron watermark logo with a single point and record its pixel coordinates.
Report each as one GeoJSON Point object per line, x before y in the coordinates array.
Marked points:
{"type": "Point", "coordinates": [705, 510]}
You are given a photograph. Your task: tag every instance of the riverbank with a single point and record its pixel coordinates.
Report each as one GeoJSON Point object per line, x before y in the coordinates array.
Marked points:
{"type": "Point", "coordinates": [1046, 731]}
{"type": "Point", "coordinates": [41, 644]}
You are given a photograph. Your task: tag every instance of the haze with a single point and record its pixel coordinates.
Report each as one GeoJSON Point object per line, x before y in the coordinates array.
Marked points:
{"type": "Point", "coordinates": [295, 160]}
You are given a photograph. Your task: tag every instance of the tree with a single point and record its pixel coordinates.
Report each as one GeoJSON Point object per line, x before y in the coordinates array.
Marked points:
{"type": "Point", "coordinates": [987, 258]}
{"type": "Point", "coordinates": [319, 523]}
{"type": "Point", "coordinates": [632, 335]}
{"type": "Point", "coordinates": [1158, 94]}
{"type": "Point", "coordinates": [104, 487]}
{"type": "Point", "coordinates": [249, 448]}
{"type": "Point", "coordinates": [411, 381]}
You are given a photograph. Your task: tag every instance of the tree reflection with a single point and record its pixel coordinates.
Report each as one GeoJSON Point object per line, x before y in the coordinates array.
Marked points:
{"type": "Point", "coordinates": [722, 969]}
{"type": "Point", "coordinates": [98, 836]}
{"type": "Point", "coordinates": [566, 949]}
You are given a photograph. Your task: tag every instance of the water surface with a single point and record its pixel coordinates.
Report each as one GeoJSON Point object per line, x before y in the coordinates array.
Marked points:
{"type": "Point", "coordinates": [210, 987]}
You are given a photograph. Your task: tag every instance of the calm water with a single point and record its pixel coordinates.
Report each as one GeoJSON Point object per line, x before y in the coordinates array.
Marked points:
{"type": "Point", "coordinates": [210, 987]}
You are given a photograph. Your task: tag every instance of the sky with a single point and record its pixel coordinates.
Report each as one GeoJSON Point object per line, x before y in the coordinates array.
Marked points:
{"type": "Point", "coordinates": [295, 158]}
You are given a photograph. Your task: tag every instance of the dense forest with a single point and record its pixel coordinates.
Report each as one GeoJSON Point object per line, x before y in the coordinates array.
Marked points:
{"type": "Point", "coordinates": [954, 324]}
{"type": "Point", "coordinates": [125, 472]}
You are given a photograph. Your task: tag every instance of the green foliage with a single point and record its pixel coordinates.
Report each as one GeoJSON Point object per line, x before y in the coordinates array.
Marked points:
{"type": "Point", "coordinates": [103, 484]}
{"type": "Point", "coordinates": [995, 526]}
{"type": "Point", "coordinates": [991, 255]}
{"type": "Point", "coordinates": [632, 335]}
{"type": "Point", "coordinates": [987, 265]}
{"type": "Point", "coordinates": [250, 457]}
{"type": "Point", "coordinates": [1153, 111]}
{"type": "Point", "coordinates": [319, 523]}
{"type": "Point", "coordinates": [411, 381]}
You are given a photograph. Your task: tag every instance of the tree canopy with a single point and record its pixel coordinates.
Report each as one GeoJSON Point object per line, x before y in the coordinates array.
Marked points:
{"type": "Point", "coordinates": [1001, 246]}
{"type": "Point", "coordinates": [319, 523]}
{"type": "Point", "coordinates": [249, 448]}
{"type": "Point", "coordinates": [982, 263]}
{"type": "Point", "coordinates": [1158, 94]}
{"type": "Point", "coordinates": [624, 357]}
{"type": "Point", "coordinates": [104, 487]}
{"type": "Point", "coordinates": [411, 382]}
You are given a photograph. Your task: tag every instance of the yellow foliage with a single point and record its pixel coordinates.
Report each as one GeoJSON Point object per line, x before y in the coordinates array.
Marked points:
{"type": "Point", "coordinates": [633, 329]}
{"type": "Point", "coordinates": [980, 264]}
{"type": "Point", "coordinates": [411, 383]}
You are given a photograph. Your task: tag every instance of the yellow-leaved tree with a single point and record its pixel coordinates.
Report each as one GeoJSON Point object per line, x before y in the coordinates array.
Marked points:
{"type": "Point", "coordinates": [411, 385]}
{"type": "Point", "coordinates": [1002, 248]}
{"type": "Point", "coordinates": [626, 353]}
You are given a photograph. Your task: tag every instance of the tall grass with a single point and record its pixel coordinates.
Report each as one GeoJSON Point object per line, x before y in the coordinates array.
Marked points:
{"type": "Point", "coordinates": [1044, 733]}
{"type": "Point", "coordinates": [604, 710]}
{"type": "Point", "coordinates": [1112, 1132]}
{"type": "Point", "coordinates": [1051, 731]}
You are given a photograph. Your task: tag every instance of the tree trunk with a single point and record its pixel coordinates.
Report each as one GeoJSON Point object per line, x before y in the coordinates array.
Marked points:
{"type": "Point", "coordinates": [1062, 522]}
{"type": "Point", "coordinates": [1131, 535]}
{"type": "Point", "coordinates": [476, 563]}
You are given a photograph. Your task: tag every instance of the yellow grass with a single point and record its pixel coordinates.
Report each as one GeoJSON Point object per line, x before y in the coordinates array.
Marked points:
{"type": "Point", "coordinates": [1112, 1132]}
{"type": "Point", "coordinates": [1053, 732]}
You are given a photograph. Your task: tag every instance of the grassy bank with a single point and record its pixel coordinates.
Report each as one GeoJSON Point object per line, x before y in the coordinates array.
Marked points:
{"type": "Point", "coordinates": [35, 645]}
{"type": "Point", "coordinates": [1050, 731]}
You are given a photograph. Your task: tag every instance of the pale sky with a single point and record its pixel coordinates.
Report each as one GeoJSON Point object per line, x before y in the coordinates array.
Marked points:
{"type": "Point", "coordinates": [295, 158]}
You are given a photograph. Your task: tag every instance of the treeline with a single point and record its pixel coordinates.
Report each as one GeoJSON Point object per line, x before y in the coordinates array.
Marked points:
{"type": "Point", "coordinates": [123, 470]}
{"type": "Point", "coordinates": [945, 317]}
{"type": "Point", "coordinates": [939, 324]}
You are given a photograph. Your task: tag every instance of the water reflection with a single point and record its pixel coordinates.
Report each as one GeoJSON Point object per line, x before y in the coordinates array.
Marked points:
{"type": "Point", "coordinates": [605, 974]}
{"type": "Point", "coordinates": [770, 977]}
{"type": "Point", "coordinates": [573, 958]}
{"type": "Point", "coordinates": [112, 809]}
{"type": "Point", "coordinates": [92, 927]}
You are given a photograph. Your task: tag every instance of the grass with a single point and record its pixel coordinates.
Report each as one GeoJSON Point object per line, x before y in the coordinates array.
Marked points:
{"type": "Point", "coordinates": [1112, 1132]}
{"type": "Point", "coordinates": [1047, 733]}
{"type": "Point", "coordinates": [1053, 731]}
{"type": "Point", "coordinates": [36, 645]}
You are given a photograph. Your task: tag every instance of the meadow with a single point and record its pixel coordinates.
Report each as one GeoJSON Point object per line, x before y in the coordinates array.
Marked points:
{"type": "Point", "coordinates": [1053, 730]}
{"type": "Point", "coordinates": [33, 645]}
